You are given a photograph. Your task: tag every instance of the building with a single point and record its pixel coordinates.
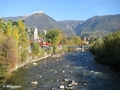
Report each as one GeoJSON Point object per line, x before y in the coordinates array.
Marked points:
{"type": "Point", "coordinates": [35, 33]}
{"type": "Point", "coordinates": [45, 32]}
{"type": "Point", "coordinates": [86, 40]}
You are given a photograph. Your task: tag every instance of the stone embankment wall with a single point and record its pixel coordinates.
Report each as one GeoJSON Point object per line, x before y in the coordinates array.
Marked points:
{"type": "Point", "coordinates": [30, 60]}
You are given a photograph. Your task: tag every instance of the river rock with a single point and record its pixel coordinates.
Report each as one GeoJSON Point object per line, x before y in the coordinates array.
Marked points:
{"type": "Point", "coordinates": [62, 87]}
{"type": "Point", "coordinates": [53, 89]}
{"type": "Point", "coordinates": [40, 76]}
{"type": "Point", "coordinates": [34, 82]}
{"type": "Point", "coordinates": [66, 80]}
{"type": "Point", "coordinates": [74, 83]}
{"type": "Point", "coordinates": [69, 88]}
{"type": "Point", "coordinates": [63, 71]}
{"type": "Point", "coordinates": [85, 84]}
{"type": "Point", "coordinates": [34, 64]}
{"type": "Point", "coordinates": [55, 72]}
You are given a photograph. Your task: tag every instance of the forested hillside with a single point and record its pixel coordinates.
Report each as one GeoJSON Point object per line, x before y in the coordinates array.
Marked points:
{"type": "Point", "coordinates": [99, 25]}
{"type": "Point", "coordinates": [43, 22]}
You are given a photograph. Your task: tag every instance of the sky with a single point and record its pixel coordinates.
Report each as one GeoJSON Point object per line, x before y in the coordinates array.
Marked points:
{"type": "Point", "coordinates": [60, 9]}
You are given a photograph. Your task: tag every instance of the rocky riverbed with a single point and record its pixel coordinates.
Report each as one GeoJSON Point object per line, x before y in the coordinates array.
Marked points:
{"type": "Point", "coordinates": [72, 71]}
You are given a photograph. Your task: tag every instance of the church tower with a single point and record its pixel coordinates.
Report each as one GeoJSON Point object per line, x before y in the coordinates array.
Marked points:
{"type": "Point", "coordinates": [35, 33]}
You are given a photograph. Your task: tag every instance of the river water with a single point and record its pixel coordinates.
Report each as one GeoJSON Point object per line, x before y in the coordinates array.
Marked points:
{"type": "Point", "coordinates": [51, 73]}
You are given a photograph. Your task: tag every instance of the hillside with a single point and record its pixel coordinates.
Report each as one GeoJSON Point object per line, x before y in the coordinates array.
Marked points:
{"type": "Point", "coordinates": [43, 22]}
{"type": "Point", "coordinates": [15, 18]}
{"type": "Point", "coordinates": [95, 26]}
{"type": "Point", "coordinates": [72, 24]}
{"type": "Point", "coordinates": [99, 25]}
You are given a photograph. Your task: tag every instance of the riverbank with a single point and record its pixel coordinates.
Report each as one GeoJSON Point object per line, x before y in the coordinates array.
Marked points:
{"type": "Point", "coordinates": [28, 61]}
{"type": "Point", "coordinates": [104, 62]}
{"type": "Point", "coordinates": [59, 54]}
{"type": "Point", "coordinates": [53, 73]}
{"type": "Point", "coordinates": [19, 65]}
{"type": "Point", "coordinates": [31, 61]}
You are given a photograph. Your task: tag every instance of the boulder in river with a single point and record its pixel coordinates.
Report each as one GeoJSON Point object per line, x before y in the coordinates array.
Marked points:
{"type": "Point", "coordinates": [53, 89]}
{"type": "Point", "coordinates": [34, 82]}
{"type": "Point", "coordinates": [69, 88]}
{"type": "Point", "coordinates": [62, 87]}
{"type": "Point", "coordinates": [34, 64]}
{"type": "Point", "coordinates": [85, 84]}
{"type": "Point", "coordinates": [74, 83]}
{"type": "Point", "coordinates": [63, 71]}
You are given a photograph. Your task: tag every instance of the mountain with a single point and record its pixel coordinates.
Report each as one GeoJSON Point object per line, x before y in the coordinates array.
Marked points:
{"type": "Point", "coordinates": [95, 26]}
{"type": "Point", "coordinates": [43, 22]}
{"type": "Point", "coordinates": [99, 25]}
{"type": "Point", "coordinates": [16, 18]}
{"type": "Point", "coordinates": [72, 24]}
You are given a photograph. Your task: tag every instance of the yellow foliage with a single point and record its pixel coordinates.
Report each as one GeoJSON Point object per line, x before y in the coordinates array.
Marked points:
{"type": "Point", "coordinates": [8, 30]}
{"type": "Point", "coordinates": [16, 33]}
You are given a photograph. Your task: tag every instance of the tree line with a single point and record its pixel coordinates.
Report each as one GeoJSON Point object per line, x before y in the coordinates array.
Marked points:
{"type": "Point", "coordinates": [15, 44]}
{"type": "Point", "coordinates": [107, 49]}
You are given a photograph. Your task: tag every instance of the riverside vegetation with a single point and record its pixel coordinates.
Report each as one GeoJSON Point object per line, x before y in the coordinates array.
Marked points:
{"type": "Point", "coordinates": [15, 44]}
{"type": "Point", "coordinates": [107, 49]}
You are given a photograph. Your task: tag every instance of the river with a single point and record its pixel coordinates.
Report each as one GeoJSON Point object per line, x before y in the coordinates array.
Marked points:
{"type": "Point", "coordinates": [51, 73]}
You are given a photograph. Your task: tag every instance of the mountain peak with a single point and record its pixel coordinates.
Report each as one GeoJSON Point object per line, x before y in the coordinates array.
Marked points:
{"type": "Point", "coordinates": [38, 12]}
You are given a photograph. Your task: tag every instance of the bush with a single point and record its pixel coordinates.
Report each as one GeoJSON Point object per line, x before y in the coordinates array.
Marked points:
{"type": "Point", "coordinates": [36, 48]}
{"type": "Point", "coordinates": [108, 49]}
{"type": "Point", "coordinates": [65, 49]}
{"type": "Point", "coordinates": [8, 55]}
{"type": "Point", "coordinates": [71, 49]}
{"type": "Point", "coordinates": [41, 53]}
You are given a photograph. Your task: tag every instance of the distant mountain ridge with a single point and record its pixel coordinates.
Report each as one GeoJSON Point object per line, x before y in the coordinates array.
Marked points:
{"type": "Point", "coordinates": [99, 25]}
{"type": "Point", "coordinates": [95, 26]}
{"type": "Point", "coordinates": [72, 24]}
{"type": "Point", "coordinates": [43, 22]}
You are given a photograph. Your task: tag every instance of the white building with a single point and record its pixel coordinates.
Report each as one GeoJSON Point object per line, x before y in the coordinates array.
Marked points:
{"type": "Point", "coordinates": [35, 33]}
{"type": "Point", "coordinates": [86, 40]}
{"type": "Point", "coordinates": [45, 32]}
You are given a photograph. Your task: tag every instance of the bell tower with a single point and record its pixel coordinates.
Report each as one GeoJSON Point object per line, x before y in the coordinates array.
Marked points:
{"type": "Point", "coordinates": [35, 33]}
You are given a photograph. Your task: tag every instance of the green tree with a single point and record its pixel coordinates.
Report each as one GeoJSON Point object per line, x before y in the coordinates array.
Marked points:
{"type": "Point", "coordinates": [8, 29]}
{"type": "Point", "coordinates": [2, 25]}
{"type": "Point", "coordinates": [14, 45]}
{"type": "Point", "coordinates": [98, 47]}
{"type": "Point", "coordinates": [16, 34]}
{"type": "Point", "coordinates": [55, 36]}
{"type": "Point", "coordinates": [36, 48]}
{"type": "Point", "coordinates": [75, 40]}
{"type": "Point", "coordinates": [23, 41]}
{"type": "Point", "coordinates": [107, 49]}
{"type": "Point", "coordinates": [8, 54]}
{"type": "Point", "coordinates": [64, 40]}
{"type": "Point", "coordinates": [112, 43]}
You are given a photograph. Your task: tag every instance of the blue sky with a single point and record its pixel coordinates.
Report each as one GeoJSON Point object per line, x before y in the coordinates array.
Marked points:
{"type": "Point", "coordinates": [60, 9]}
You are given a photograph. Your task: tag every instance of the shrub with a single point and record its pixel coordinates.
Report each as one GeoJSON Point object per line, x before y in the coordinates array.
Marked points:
{"type": "Point", "coordinates": [108, 49]}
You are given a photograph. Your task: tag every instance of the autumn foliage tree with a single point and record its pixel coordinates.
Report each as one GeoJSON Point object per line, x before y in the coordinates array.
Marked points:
{"type": "Point", "coordinates": [8, 53]}
{"type": "Point", "coordinates": [23, 41]}
{"type": "Point", "coordinates": [16, 34]}
{"type": "Point", "coordinates": [13, 45]}
{"type": "Point", "coordinates": [8, 29]}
